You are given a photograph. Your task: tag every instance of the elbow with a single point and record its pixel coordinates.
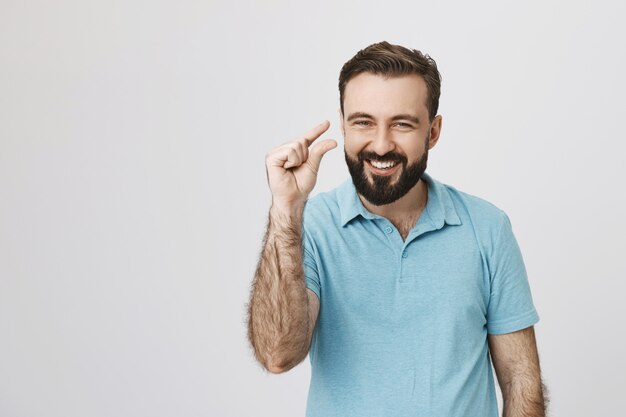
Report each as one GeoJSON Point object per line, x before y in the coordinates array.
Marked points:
{"type": "Point", "coordinates": [276, 369]}
{"type": "Point", "coordinates": [280, 365]}
{"type": "Point", "coordinates": [271, 362]}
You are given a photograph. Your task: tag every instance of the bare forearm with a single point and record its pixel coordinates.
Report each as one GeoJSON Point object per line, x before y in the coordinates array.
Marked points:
{"type": "Point", "coordinates": [278, 308]}
{"type": "Point", "coordinates": [279, 326]}
{"type": "Point", "coordinates": [516, 362]}
{"type": "Point", "coordinates": [525, 398]}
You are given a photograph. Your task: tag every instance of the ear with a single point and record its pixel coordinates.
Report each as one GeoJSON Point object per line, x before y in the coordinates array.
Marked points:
{"type": "Point", "coordinates": [435, 131]}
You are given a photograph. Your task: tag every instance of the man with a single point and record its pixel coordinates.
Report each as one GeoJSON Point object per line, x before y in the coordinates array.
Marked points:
{"type": "Point", "coordinates": [402, 290]}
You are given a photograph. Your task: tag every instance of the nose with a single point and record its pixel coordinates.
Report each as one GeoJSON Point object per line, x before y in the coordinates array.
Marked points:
{"type": "Point", "coordinates": [382, 142]}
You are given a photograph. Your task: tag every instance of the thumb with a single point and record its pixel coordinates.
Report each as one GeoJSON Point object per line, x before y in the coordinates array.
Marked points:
{"type": "Point", "coordinates": [318, 151]}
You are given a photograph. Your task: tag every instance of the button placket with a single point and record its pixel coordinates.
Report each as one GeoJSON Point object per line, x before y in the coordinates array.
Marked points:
{"type": "Point", "coordinates": [393, 237]}
{"type": "Point", "coordinates": [396, 243]}
{"type": "Point", "coordinates": [404, 254]}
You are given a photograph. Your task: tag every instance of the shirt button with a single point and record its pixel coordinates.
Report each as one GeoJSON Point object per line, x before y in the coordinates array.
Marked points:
{"type": "Point", "coordinates": [404, 254]}
{"type": "Point", "coordinates": [388, 229]}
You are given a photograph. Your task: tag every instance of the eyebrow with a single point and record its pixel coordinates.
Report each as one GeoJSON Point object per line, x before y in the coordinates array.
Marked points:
{"type": "Point", "coordinates": [358, 115]}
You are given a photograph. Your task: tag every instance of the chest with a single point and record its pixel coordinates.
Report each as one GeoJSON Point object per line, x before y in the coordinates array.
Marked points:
{"type": "Point", "coordinates": [386, 282]}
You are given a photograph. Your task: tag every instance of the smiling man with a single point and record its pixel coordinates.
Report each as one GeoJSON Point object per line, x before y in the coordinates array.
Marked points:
{"type": "Point", "coordinates": [403, 290]}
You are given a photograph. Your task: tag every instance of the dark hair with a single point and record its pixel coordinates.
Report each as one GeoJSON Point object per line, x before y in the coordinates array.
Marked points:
{"type": "Point", "coordinates": [390, 60]}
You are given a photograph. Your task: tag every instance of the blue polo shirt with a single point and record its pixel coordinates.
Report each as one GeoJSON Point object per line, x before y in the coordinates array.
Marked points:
{"type": "Point", "coordinates": [402, 327]}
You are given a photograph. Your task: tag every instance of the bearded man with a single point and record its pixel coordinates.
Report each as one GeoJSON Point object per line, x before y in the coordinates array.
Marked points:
{"type": "Point", "coordinates": [402, 290]}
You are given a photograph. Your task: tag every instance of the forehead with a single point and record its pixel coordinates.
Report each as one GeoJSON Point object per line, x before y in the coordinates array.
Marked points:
{"type": "Point", "coordinates": [380, 96]}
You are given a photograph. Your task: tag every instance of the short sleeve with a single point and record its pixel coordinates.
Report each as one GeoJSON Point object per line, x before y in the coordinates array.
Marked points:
{"type": "Point", "coordinates": [511, 305]}
{"type": "Point", "coordinates": [311, 274]}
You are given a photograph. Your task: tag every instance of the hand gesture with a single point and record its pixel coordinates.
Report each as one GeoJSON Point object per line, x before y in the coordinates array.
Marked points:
{"type": "Point", "coordinates": [292, 167]}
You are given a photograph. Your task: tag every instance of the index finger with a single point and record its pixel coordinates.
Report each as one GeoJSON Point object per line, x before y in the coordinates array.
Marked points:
{"type": "Point", "coordinates": [316, 132]}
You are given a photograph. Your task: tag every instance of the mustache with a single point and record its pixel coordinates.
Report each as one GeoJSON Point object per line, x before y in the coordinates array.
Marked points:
{"type": "Point", "coordinates": [388, 157]}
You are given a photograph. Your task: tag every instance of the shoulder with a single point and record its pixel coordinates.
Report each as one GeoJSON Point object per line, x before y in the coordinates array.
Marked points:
{"type": "Point", "coordinates": [485, 217]}
{"type": "Point", "coordinates": [477, 207]}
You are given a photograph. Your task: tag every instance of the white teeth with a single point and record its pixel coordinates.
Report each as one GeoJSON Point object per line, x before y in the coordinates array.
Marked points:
{"type": "Point", "coordinates": [382, 165]}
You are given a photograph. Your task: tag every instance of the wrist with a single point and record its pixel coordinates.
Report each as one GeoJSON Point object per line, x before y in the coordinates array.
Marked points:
{"type": "Point", "coordinates": [287, 209]}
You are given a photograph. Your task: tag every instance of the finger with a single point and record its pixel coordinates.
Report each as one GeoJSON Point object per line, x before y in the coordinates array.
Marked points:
{"type": "Point", "coordinates": [301, 149]}
{"type": "Point", "coordinates": [286, 156]}
{"type": "Point", "coordinates": [316, 132]}
{"type": "Point", "coordinates": [293, 158]}
{"type": "Point", "coordinates": [318, 151]}
{"type": "Point", "coordinates": [304, 150]}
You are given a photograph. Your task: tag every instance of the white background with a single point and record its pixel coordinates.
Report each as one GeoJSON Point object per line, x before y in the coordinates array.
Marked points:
{"type": "Point", "coordinates": [133, 196]}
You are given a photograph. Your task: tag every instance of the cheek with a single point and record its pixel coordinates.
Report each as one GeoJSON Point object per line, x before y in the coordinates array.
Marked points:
{"type": "Point", "coordinates": [413, 149]}
{"type": "Point", "coordinates": [415, 152]}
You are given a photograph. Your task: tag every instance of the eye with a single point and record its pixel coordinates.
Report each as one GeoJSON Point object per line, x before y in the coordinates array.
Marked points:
{"type": "Point", "coordinates": [401, 124]}
{"type": "Point", "coordinates": [362, 123]}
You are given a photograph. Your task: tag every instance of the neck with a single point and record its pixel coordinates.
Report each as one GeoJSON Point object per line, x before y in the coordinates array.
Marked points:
{"type": "Point", "coordinates": [411, 203]}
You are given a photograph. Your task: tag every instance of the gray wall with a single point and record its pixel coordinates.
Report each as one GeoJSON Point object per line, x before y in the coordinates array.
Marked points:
{"type": "Point", "coordinates": [133, 196]}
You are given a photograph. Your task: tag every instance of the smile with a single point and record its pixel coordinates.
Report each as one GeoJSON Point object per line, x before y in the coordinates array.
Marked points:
{"type": "Point", "coordinates": [382, 168]}
{"type": "Point", "coordinates": [382, 165]}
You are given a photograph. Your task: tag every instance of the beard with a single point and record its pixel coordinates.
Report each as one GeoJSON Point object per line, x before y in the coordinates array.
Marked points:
{"type": "Point", "coordinates": [381, 190]}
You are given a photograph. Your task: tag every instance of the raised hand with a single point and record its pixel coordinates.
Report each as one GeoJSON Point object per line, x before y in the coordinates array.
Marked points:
{"type": "Point", "coordinates": [292, 167]}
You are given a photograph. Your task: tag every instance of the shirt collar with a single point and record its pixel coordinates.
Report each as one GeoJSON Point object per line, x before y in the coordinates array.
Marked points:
{"type": "Point", "coordinates": [439, 206]}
